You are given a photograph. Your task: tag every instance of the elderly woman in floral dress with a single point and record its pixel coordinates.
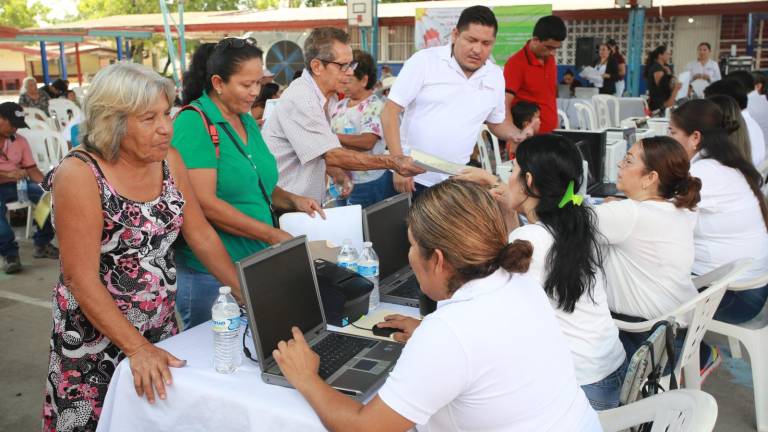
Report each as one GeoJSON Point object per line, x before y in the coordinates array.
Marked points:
{"type": "Point", "coordinates": [119, 205]}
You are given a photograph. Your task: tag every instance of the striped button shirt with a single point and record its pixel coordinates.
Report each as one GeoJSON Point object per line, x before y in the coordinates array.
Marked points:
{"type": "Point", "coordinates": [298, 133]}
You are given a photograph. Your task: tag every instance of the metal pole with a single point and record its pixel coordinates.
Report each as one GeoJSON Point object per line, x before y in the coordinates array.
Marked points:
{"type": "Point", "coordinates": [63, 60]}
{"type": "Point", "coordinates": [119, 42]}
{"type": "Point", "coordinates": [635, 55]}
{"type": "Point", "coordinates": [169, 42]}
{"type": "Point", "coordinates": [77, 61]}
{"type": "Point", "coordinates": [375, 37]}
{"type": "Point", "coordinates": [44, 62]}
{"type": "Point", "coordinates": [183, 43]}
{"type": "Point", "coordinates": [128, 54]}
{"type": "Point", "coordinates": [750, 34]}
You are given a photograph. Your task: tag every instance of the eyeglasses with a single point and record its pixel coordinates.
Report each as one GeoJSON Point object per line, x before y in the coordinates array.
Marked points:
{"type": "Point", "coordinates": [342, 66]}
{"type": "Point", "coordinates": [234, 42]}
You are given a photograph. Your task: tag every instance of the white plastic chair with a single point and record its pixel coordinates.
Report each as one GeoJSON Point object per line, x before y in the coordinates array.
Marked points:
{"type": "Point", "coordinates": [482, 147]}
{"type": "Point", "coordinates": [672, 411]}
{"type": "Point", "coordinates": [48, 147]}
{"type": "Point", "coordinates": [15, 205]}
{"type": "Point", "coordinates": [35, 123]}
{"type": "Point", "coordinates": [697, 312]}
{"type": "Point", "coordinates": [30, 112]}
{"type": "Point", "coordinates": [763, 169]}
{"type": "Point", "coordinates": [586, 116]}
{"type": "Point", "coordinates": [754, 335]}
{"type": "Point", "coordinates": [65, 111]}
{"type": "Point", "coordinates": [563, 119]}
{"type": "Point", "coordinates": [607, 109]}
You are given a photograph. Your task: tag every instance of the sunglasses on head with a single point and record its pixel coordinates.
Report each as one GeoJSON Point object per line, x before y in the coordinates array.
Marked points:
{"type": "Point", "coordinates": [234, 42]}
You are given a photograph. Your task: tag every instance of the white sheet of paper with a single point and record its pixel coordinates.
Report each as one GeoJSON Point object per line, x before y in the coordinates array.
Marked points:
{"type": "Point", "coordinates": [684, 78]}
{"type": "Point", "coordinates": [592, 75]}
{"type": "Point", "coordinates": [270, 106]}
{"type": "Point", "coordinates": [340, 223]}
{"type": "Point", "coordinates": [435, 164]}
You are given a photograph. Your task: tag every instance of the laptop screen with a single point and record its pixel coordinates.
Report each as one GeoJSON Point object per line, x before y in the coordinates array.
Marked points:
{"type": "Point", "coordinates": [388, 231]}
{"type": "Point", "coordinates": [591, 145]}
{"type": "Point", "coordinates": [282, 294]}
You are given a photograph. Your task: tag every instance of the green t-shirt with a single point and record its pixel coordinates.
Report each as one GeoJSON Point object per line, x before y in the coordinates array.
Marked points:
{"type": "Point", "coordinates": [237, 182]}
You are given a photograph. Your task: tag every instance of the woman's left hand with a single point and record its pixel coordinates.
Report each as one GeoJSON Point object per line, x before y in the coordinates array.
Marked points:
{"type": "Point", "coordinates": [477, 175]}
{"type": "Point", "coordinates": [308, 206]}
{"type": "Point", "coordinates": [298, 363]}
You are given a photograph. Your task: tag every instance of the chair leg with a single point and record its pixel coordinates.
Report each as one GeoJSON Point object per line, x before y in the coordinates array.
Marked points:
{"type": "Point", "coordinates": [28, 232]}
{"type": "Point", "coordinates": [758, 359]}
{"type": "Point", "coordinates": [692, 371]}
{"type": "Point", "coordinates": [735, 346]}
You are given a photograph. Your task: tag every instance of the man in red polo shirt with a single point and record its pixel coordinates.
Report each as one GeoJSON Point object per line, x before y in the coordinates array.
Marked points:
{"type": "Point", "coordinates": [531, 74]}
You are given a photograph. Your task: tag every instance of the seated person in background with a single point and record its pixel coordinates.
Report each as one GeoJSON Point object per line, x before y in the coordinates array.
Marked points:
{"type": "Point", "coordinates": [738, 92]}
{"type": "Point", "coordinates": [299, 133]}
{"type": "Point", "coordinates": [58, 88]}
{"type": "Point", "coordinates": [268, 91]}
{"type": "Point", "coordinates": [525, 115]}
{"type": "Point", "coordinates": [732, 216]}
{"type": "Point", "coordinates": [16, 163]}
{"type": "Point", "coordinates": [647, 239]}
{"type": "Point", "coordinates": [757, 104]}
{"type": "Point", "coordinates": [734, 125]}
{"type": "Point", "coordinates": [569, 78]}
{"type": "Point", "coordinates": [566, 258]}
{"type": "Point", "coordinates": [356, 120]}
{"type": "Point", "coordinates": [464, 366]}
{"type": "Point", "coordinates": [32, 97]}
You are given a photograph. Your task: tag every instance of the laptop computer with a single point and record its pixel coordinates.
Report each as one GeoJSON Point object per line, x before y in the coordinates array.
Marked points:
{"type": "Point", "coordinates": [591, 145]}
{"type": "Point", "coordinates": [564, 91]}
{"type": "Point", "coordinates": [281, 291]}
{"type": "Point", "coordinates": [384, 224]}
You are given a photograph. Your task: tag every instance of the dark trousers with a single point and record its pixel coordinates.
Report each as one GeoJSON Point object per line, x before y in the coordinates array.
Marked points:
{"type": "Point", "coordinates": [43, 236]}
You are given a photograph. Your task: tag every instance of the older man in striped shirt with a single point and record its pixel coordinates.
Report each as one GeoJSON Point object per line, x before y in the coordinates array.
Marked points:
{"type": "Point", "coordinates": [299, 133]}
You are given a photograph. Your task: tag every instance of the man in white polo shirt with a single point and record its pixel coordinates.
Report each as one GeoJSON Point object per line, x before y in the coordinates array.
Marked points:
{"type": "Point", "coordinates": [447, 94]}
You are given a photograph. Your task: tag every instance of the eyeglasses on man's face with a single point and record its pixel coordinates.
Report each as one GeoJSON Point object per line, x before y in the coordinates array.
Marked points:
{"type": "Point", "coordinates": [342, 66]}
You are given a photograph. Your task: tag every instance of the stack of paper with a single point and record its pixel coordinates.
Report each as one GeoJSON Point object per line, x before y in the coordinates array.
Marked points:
{"type": "Point", "coordinates": [435, 164]}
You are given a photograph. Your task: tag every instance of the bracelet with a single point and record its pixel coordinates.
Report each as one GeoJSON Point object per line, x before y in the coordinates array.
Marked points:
{"type": "Point", "coordinates": [139, 348]}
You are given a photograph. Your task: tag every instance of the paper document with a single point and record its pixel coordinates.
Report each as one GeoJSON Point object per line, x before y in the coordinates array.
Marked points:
{"type": "Point", "coordinates": [340, 223]}
{"type": "Point", "coordinates": [592, 75]}
{"type": "Point", "coordinates": [368, 321]}
{"type": "Point", "coordinates": [698, 87]}
{"type": "Point", "coordinates": [435, 164]}
{"type": "Point", "coordinates": [684, 78]}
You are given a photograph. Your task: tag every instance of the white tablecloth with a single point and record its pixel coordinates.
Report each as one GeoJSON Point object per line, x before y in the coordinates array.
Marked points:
{"type": "Point", "coordinates": [628, 107]}
{"type": "Point", "coordinates": [201, 399]}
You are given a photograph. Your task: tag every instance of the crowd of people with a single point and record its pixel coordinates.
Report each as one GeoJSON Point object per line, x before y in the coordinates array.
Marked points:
{"type": "Point", "coordinates": [151, 213]}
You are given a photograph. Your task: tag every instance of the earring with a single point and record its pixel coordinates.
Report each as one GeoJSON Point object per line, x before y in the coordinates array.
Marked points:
{"type": "Point", "coordinates": [218, 91]}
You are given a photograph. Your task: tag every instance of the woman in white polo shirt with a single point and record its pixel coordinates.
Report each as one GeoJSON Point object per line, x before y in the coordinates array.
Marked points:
{"type": "Point", "coordinates": [733, 217]}
{"type": "Point", "coordinates": [566, 258]}
{"type": "Point", "coordinates": [491, 357]}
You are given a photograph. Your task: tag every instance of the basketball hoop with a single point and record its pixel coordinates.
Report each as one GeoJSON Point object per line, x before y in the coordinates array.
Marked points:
{"type": "Point", "coordinates": [360, 13]}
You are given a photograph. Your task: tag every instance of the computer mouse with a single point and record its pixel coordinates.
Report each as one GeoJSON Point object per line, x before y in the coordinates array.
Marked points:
{"type": "Point", "coordinates": [383, 331]}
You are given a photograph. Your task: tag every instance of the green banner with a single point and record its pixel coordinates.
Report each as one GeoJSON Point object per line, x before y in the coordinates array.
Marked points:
{"type": "Point", "coordinates": [515, 27]}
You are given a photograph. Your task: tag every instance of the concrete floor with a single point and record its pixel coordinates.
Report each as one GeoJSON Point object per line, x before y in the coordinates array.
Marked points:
{"type": "Point", "coordinates": [25, 325]}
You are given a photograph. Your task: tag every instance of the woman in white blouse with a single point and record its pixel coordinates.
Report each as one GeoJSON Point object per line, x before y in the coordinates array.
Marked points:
{"type": "Point", "coordinates": [733, 218]}
{"type": "Point", "coordinates": [491, 357]}
{"type": "Point", "coordinates": [566, 257]}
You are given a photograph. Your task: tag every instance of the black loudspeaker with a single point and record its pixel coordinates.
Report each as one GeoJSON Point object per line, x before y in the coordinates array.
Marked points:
{"type": "Point", "coordinates": [586, 51]}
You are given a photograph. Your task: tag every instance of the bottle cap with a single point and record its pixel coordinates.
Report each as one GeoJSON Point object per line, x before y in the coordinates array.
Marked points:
{"type": "Point", "coordinates": [367, 244]}
{"type": "Point", "coordinates": [225, 290]}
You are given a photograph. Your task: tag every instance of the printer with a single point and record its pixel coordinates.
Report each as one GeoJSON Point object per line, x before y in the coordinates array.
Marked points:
{"type": "Point", "coordinates": [344, 293]}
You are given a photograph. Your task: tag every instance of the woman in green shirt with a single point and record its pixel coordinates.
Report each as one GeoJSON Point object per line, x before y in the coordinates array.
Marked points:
{"type": "Point", "coordinates": [236, 181]}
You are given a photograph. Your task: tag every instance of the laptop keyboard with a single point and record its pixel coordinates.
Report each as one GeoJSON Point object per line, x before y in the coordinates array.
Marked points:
{"type": "Point", "coordinates": [335, 350]}
{"type": "Point", "coordinates": [408, 289]}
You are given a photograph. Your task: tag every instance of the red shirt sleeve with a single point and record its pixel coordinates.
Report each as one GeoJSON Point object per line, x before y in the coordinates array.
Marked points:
{"type": "Point", "coordinates": [26, 154]}
{"type": "Point", "coordinates": [513, 76]}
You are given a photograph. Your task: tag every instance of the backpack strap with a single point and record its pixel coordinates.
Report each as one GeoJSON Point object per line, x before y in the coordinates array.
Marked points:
{"type": "Point", "coordinates": [209, 126]}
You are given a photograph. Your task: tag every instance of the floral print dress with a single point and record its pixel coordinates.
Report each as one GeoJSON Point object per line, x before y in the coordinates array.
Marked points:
{"type": "Point", "coordinates": [137, 268]}
{"type": "Point", "coordinates": [365, 117]}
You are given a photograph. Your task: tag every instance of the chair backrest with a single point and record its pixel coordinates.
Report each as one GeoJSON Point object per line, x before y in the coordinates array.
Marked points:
{"type": "Point", "coordinates": [65, 110]}
{"type": "Point", "coordinates": [586, 116]}
{"type": "Point", "coordinates": [482, 148]}
{"type": "Point", "coordinates": [651, 356]}
{"type": "Point", "coordinates": [763, 169]}
{"type": "Point", "coordinates": [672, 411]}
{"type": "Point", "coordinates": [48, 147]}
{"type": "Point", "coordinates": [564, 120]}
{"type": "Point", "coordinates": [702, 308]}
{"type": "Point", "coordinates": [600, 105]}
{"type": "Point", "coordinates": [35, 123]}
{"type": "Point", "coordinates": [36, 113]}
{"type": "Point", "coordinates": [609, 107]}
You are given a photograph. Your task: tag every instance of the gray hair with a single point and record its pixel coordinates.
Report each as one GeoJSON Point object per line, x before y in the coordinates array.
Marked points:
{"type": "Point", "coordinates": [319, 44]}
{"type": "Point", "coordinates": [24, 83]}
{"type": "Point", "coordinates": [117, 92]}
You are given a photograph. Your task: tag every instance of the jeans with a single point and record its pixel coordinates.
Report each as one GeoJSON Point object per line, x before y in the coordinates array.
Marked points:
{"type": "Point", "coordinates": [195, 294]}
{"type": "Point", "coordinates": [604, 394]}
{"type": "Point", "coordinates": [371, 192]}
{"type": "Point", "coordinates": [43, 236]}
{"type": "Point", "coordinates": [741, 306]}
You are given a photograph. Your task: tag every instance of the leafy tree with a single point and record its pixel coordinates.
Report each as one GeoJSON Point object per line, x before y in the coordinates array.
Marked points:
{"type": "Point", "coordinates": [19, 14]}
{"type": "Point", "coordinates": [102, 8]}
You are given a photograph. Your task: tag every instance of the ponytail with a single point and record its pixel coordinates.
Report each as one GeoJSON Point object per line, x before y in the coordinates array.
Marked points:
{"type": "Point", "coordinates": [515, 257]}
{"type": "Point", "coordinates": [195, 82]}
{"type": "Point", "coordinates": [688, 193]}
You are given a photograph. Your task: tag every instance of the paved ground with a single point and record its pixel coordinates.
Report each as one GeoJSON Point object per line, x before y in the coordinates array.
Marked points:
{"type": "Point", "coordinates": [25, 325]}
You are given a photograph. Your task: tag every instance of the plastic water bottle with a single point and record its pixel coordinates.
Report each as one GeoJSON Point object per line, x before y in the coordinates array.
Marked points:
{"type": "Point", "coordinates": [21, 191]}
{"type": "Point", "coordinates": [368, 267]}
{"type": "Point", "coordinates": [347, 256]}
{"type": "Point", "coordinates": [226, 323]}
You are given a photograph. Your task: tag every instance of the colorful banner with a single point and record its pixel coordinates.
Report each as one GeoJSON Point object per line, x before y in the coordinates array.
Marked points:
{"type": "Point", "coordinates": [434, 26]}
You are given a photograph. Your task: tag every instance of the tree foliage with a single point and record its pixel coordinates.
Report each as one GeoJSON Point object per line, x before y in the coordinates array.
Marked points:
{"type": "Point", "coordinates": [19, 14]}
{"type": "Point", "coordinates": [102, 8]}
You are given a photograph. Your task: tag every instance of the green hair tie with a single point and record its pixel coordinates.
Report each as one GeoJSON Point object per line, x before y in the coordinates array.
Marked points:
{"type": "Point", "coordinates": [570, 197]}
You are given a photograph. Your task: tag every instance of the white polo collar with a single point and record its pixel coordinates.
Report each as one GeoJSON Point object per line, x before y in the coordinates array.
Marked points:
{"type": "Point", "coordinates": [445, 53]}
{"type": "Point", "coordinates": [478, 287]}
